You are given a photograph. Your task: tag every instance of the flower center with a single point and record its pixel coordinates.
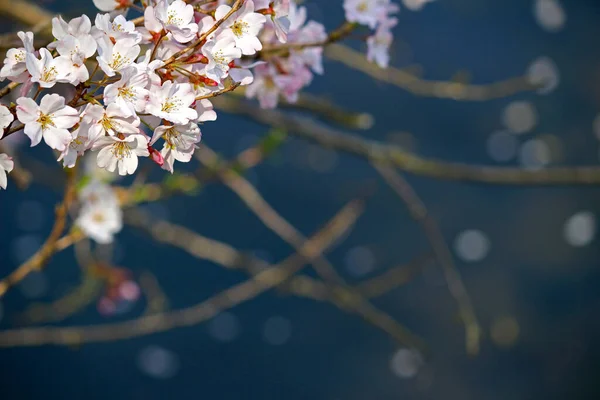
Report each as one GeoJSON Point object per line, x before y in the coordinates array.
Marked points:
{"type": "Point", "coordinates": [126, 93]}
{"type": "Point", "coordinates": [76, 143]}
{"type": "Point", "coordinates": [48, 74]}
{"type": "Point", "coordinates": [219, 57]}
{"type": "Point", "coordinates": [171, 105]}
{"type": "Point", "coordinates": [173, 138]}
{"type": "Point", "coordinates": [45, 121]}
{"type": "Point", "coordinates": [107, 124]}
{"type": "Point", "coordinates": [173, 19]}
{"type": "Point", "coordinates": [240, 28]}
{"type": "Point", "coordinates": [118, 61]}
{"type": "Point", "coordinates": [98, 218]}
{"type": "Point", "coordinates": [121, 150]}
{"type": "Point", "coordinates": [362, 7]}
{"type": "Point", "coordinates": [117, 27]}
{"type": "Point", "coordinates": [20, 56]}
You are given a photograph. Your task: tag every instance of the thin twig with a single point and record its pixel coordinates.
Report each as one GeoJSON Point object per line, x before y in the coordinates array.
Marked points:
{"type": "Point", "coordinates": [308, 128]}
{"type": "Point", "coordinates": [51, 245]}
{"type": "Point", "coordinates": [443, 254]}
{"type": "Point", "coordinates": [192, 315]}
{"type": "Point", "coordinates": [421, 87]}
{"type": "Point", "coordinates": [267, 214]}
{"type": "Point", "coordinates": [236, 6]}
{"type": "Point", "coordinates": [227, 256]}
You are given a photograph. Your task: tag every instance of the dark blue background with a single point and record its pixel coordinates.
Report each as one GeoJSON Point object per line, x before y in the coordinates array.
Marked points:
{"type": "Point", "coordinates": [531, 273]}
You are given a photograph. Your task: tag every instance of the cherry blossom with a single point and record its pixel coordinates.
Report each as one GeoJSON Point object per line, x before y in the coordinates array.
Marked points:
{"type": "Point", "coordinates": [178, 19]}
{"type": "Point", "coordinates": [78, 145]}
{"type": "Point", "coordinates": [110, 5]}
{"type": "Point", "coordinates": [110, 121]}
{"type": "Point", "coordinates": [50, 120]}
{"type": "Point", "coordinates": [245, 25]}
{"type": "Point", "coordinates": [121, 153]}
{"type": "Point", "coordinates": [6, 165]}
{"type": "Point", "coordinates": [100, 217]}
{"type": "Point", "coordinates": [116, 57]}
{"type": "Point", "coordinates": [172, 102]}
{"type": "Point", "coordinates": [14, 67]}
{"type": "Point", "coordinates": [6, 118]}
{"type": "Point", "coordinates": [220, 52]}
{"type": "Point", "coordinates": [129, 92]}
{"type": "Point", "coordinates": [47, 71]}
{"type": "Point", "coordinates": [117, 29]}
{"type": "Point", "coordinates": [180, 142]}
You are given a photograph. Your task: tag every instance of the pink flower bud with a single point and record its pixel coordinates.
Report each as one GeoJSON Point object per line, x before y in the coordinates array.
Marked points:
{"type": "Point", "coordinates": [156, 156]}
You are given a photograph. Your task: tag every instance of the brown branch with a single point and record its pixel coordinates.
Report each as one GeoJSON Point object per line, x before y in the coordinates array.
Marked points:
{"type": "Point", "coordinates": [376, 151]}
{"type": "Point", "coordinates": [231, 87]}
{"type": "Point", "coordinates": [8, 88]}
{"type": "Point", "coordinates": [192, 315]}
{"type": "Point", "coordinates": [457, 288]}
{"type": "Point", "coordinates": [52, 244]}
{"type": "Point", "coordinates": [236, 6]}
{"type": "Point", "coordinates": [421, 87]}
{"type": "Point", "coordinates": [276, 223]}
{"type": "Point", "coordinates": [336, 35]}
{"type": "Point", "coordinates": [344, 297]}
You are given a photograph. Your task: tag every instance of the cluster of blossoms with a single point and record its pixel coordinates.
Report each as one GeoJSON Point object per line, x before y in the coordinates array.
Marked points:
{"type": "Point", "coordinates": [376, 14]}
{"type": "Point", "coordinates": [118, 89]}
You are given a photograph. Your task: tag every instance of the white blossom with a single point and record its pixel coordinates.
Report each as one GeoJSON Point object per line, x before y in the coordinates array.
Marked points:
{"type": "Point", "coordinates": [50, 120]}
{"type": "Point", "coordinates": [6, 118]}
{"type": "Point", "coordinates": [220, 52]}
{"type": "Point", "coordinates": [121, 153]}
{"type": "Point", "coordinates": [129, 92]}
{"type": "Point", "coordinates": [172, 102]}
{"type": "Point", "coordinates": [177, 18]}
{"type": "Point", "coordinates": [6, 165]}
{"type": "Point", "coordinates": [78, 145]}
{"type": "Point", "coordinates": [47, 71]}
{"type": "Point", "coordinates": [116, 57]}
{"type": "Point", "coordinates": [245, 25]}
{"type": "Point", "coordinates": [100, 217]}
{"type": "Point", "coordinates": [180, 142]}
{"type": "Point", "coordinates": [117, 29]}
{"type": "Point", "coordinates": [14, 67]}
{"type": "Point", "coordinates": [110, 121]}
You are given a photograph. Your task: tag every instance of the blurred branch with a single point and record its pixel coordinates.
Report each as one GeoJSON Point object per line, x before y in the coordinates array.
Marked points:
{"type": "Point", "coordinates": [421, 87]}
{"type": "Point", "coordinates": [193, 315]}
{"type": "Point", "coordinates": [419, 213]}
{"type": "Point", "coordinates": [279, 225]}
{"type": "Point", "coordinates": [156, 301]}
{"type": "Point", "coordinates": [50, 246]}
{"type": "Point", "coordinates": [27, 13]}
{"type": "Point", "coordinates": [375, 151]}
{"type": "Point", "coordinates": [19, 175]}
{"type": "Point", "coordinates": [325, 109]}
{"type": "Point", "coordinates": [74, 301]}
{"type": "Point", "coordinates": [344, 297]}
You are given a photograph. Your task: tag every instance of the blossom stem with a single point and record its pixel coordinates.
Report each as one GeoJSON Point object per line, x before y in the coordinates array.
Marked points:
{"type": "Point", "coordinates": [236, 6]}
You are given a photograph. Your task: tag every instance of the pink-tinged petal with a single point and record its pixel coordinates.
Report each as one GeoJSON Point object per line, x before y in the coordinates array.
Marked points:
{"type": "Point", "coordinates": [57, 138]}
{"type": "Point", "coordinates": [33, 130]}
{"type": "Point", "coordinates": [222, 11]}
{"type": "Point", "coordinates": [34, 66]}
{"type": "Point", "coordinates": [128, 165]}
{"type": "Point", "coordinates": [66, 117]}
{"type": "Point", "coordinates": [158, 132]}
{"type": "Point", "coordinates": [59, 27]}
{"type": "Point", "coordinates": [3, 180]}
{"type": "Point", "coordinates": [80, 26]}
{"type": "Point", "coordinates": [27, 110]}
{"type": "Point", "coordinates": [106, 159]}
{"type": "Point", "coordinates": [51, 103]}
